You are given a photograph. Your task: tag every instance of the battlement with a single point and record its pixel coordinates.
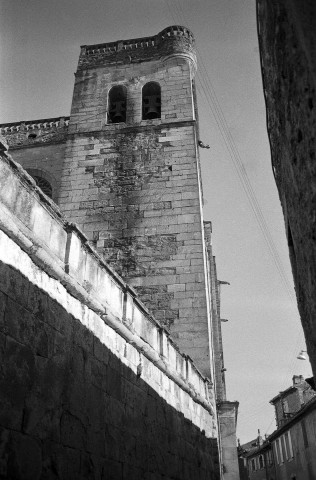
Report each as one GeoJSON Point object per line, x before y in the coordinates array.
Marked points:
{"type": "Point", "coordinates": [172, 41]}
{"type": "Point", "coordinates": [35, 131]}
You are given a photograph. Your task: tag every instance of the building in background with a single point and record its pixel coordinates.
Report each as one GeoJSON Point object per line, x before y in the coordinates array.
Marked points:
{"type": "Point", "coordinates": [260, 462]}
{"type": "Point", "coordinates": [290, 451]}
{"type": "Point", "coordinates": [125, 168]}
{"type": "Point", "coordinates": [256, 460]}
{"type": "Point", "coordinates": [243, 450]}
{"type": "Point", "coordinates": [294, 441]}
{"type": "Point", "coordinates": [287, 42]}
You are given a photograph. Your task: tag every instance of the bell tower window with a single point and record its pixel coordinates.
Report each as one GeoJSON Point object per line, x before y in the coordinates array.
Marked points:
{"type": "Point", "coordinates": [117, 104]}
{"type": "Point", "coordinates": [151, 97]}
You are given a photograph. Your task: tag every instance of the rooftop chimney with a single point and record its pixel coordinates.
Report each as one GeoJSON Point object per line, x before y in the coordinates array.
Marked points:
{"type": "Point", "coordinates": [297, 379]}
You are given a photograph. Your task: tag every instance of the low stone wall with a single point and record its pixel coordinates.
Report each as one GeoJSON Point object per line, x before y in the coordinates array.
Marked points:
{"type": "Point", "coordinates": [91, 386]}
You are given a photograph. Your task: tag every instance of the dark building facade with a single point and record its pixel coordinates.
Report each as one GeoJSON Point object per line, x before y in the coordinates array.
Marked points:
{"type": "Point", "coordinates": [287, 41]}
{"type": "Point", "coordinates": [290, 451]}
{"type": "Point", "coordinates": [294, 441]}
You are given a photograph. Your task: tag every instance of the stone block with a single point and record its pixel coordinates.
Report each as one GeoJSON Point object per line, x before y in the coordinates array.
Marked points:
{"type": "Point", "coordinates": [73, 432]}
{"type": "Point", "coordinates": [113, 470]}
{"type": "Point", "coordinates": [114, 384]}
{"type": "Point", "coordinates": [14, 285]}
{"type": "Point", "coordinates": [100, 351]}
{"type": "Point", "coordinates": [74, 255]}
{"type": "Point", "coordinates": [37, 301]}
{"type": "Point", "coordinates": [57, 240]}
{"type": "Point", "coordinates": [18, 376]}
{"type": "Point", "coordinates": [24, 457]}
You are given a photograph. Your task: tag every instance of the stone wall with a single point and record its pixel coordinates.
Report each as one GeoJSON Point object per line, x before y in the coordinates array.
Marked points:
{"type": "Point", "coordinates": [134, 187]}
{"type": "Point", "coordinates": [227, 424]}
{"type": "Point", "coordinates": [39, 146]}
{"type": "Point", "coordinates": [217, 341]}
{"type": "Point", "coordinates": [287, 39]}
{"type": "Point", "coordinates": [91, 385]}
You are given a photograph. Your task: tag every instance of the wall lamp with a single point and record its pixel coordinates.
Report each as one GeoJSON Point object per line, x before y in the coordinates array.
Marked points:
{"type": "Point", "coordinates": [301, 355]}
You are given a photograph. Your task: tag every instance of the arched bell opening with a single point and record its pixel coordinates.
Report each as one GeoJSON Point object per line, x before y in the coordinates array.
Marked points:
{"type": "Point", "coordinates": [151, 101]}
{"type": "Point", "coordinates": [117, 104]}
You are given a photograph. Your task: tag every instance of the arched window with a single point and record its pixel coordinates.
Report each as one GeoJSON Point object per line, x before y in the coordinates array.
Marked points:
{"type": "Point", "coordinates": [44, 181]}
{"type": "Point", "coordinates": [117, 104]}
{"type": "Point", "coordinates": [44, 185]}
{"type": "Point", "coordinates": [151, 101]}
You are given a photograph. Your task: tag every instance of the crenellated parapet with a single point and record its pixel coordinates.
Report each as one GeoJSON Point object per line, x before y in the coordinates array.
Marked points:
{"type": "Point", "coordinates": [172, 41]}
{"type": "Point", "coordinates": [34, 132]}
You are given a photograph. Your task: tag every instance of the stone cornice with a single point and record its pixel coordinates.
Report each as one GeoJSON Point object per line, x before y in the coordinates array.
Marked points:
{"type": "Point", "coordinates": [172, 41]}
{"type": "Point", "coordinates": [35, 132]}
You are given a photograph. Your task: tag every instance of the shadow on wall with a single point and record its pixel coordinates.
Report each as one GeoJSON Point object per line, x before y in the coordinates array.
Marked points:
{"type": "Point", "coordinates": [70, 409]}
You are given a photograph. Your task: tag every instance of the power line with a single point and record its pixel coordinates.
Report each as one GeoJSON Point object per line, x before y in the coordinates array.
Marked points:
{"type": "Point", "coordinates": [215, 107]}
{"type": "Point", "coordinates": [206, 86]}
{"type": "Point", "coordinates": [214, 104]}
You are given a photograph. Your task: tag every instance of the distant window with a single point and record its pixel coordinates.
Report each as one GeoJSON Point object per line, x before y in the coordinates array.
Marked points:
{"type": "Point", "coordinates": [151, 100]}
{"type": "Point", "coordinates": [117, 104]}
{"type": "Point", "coordinates": [278, 451]}
{"type": "Point", "coordinates": [261, 461]}
{"type": "Point", "coordinates": [285, 406]}
{"type": "Point", "coordinates": [269, 457]}
{"type": "Point", "coordinates": [303, 425]}
{"type": "Point", "coordinates": [253, 465]}
{"type": "Point", "coordinates": [287, 445]}
{"type": "Point", "coordinates": [44, 185]}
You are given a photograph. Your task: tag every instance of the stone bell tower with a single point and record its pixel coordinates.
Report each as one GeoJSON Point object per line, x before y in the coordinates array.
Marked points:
{"type": "Point", "coordinates": [131, 176]}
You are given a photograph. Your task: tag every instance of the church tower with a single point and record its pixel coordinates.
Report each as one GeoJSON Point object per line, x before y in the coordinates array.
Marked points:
{"type": "Point", "coordinates": [131, 176]}
{"type": "Point", "coordinates": [125, 168]}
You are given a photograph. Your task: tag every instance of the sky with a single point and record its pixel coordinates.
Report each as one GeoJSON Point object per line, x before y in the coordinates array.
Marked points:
{"type": "Point", "coordinates": [40, 45]}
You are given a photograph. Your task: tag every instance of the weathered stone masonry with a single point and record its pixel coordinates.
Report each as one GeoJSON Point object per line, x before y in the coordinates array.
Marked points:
{"type": "Point", "coordinates": [91, 385]}
{"type": "Point", "coordinates": [134, 187]}
{"type": "Point", "coordinates": [40, 147]}
{"type": "Point", "coordinates": [226, 410]}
